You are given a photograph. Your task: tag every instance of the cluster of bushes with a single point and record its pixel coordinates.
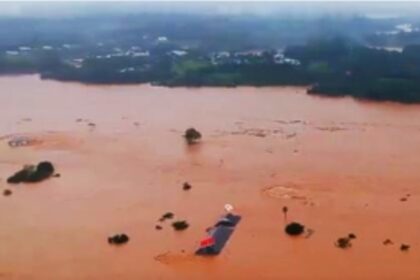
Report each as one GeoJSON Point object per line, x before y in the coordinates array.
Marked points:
{"type": "Point", "coordinates": [32, 173]}
{"type": "Point", "coordinates": [338, 67]}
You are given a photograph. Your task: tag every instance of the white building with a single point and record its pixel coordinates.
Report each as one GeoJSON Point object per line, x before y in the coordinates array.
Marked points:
{"type": "Point", "coordinates": [179, 52]}
{"type": "Point", "coordinates": [162, 39]}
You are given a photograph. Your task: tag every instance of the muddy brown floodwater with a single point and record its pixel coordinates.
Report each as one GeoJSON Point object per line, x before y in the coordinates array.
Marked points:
{"type": "Point", "coordinates": [340, 166]}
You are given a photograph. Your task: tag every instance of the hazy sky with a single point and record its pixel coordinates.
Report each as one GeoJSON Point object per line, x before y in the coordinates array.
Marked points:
{"type": "Point", "coordinates": [307, 8]}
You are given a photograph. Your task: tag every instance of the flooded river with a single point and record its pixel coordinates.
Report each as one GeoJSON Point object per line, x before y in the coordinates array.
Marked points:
{"type": "Point", "coordinates": [341, 166]}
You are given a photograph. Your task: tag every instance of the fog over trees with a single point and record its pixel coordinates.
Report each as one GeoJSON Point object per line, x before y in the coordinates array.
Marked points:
{"type": "Point", "coordinates": [366, 50]}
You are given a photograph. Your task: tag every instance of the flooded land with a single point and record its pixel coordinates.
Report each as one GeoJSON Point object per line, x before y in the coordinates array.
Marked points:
{"type": "Point", "coordinates": [341, 166]}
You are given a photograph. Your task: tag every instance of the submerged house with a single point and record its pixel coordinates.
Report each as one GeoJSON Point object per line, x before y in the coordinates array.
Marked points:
{"type": "Point", "coordinates": [218, 235]}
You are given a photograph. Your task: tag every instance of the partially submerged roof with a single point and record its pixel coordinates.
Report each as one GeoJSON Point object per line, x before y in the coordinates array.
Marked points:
{"type": "Point", "coordinates": [219, 235]}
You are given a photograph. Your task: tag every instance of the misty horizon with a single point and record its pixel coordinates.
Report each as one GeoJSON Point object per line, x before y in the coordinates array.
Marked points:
{"type": "Point", "coordinates": [285, 9]}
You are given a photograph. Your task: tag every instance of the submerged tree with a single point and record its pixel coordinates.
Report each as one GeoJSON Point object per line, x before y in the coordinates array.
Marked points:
{"type": "Point", "coordinates": [285, 210]}
{"type": "Point", "coordinates": [180, 225]}
{"type": "Point", "coordinates": [343, 242]}
{"type": "Point", "coordinates": [32, 173]}
{"type": "Point", "coordinates": [192, 136]}
{"type": "Point", "coordinates": [294, 229]}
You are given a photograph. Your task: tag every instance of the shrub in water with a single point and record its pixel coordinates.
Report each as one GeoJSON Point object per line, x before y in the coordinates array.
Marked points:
{"type": "Point", "coordinates": [294, 229]}
{"type": "Point", "coordinates": [192, 135]}
{"type": "Point", "coordinates": [32, 174]}
{"type": "Point", "coordinates": [343, 242]}
{"type": "Point", "coordinates": [118, 239]}
{"type": "Point", "coordinates": [186, 186]}
{"type": "Point", "coordinates": [180, 225]}
{"type": "Point", "coordinates": [166, 216]}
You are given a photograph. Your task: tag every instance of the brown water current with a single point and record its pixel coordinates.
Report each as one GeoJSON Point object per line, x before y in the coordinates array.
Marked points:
{"type": "Point", "coordinates": [341, 166]}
